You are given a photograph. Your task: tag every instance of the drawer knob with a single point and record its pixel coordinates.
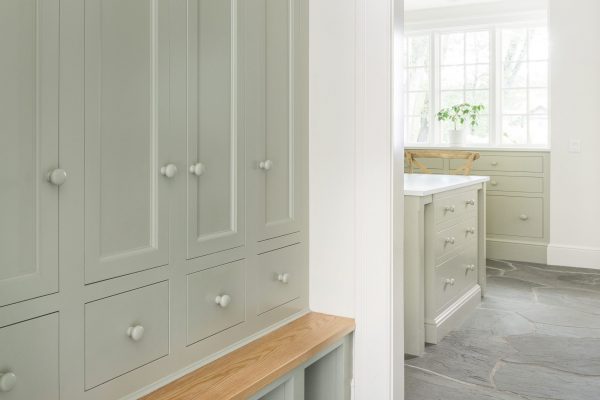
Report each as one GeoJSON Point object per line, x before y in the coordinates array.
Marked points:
{"type": "Point", "coordinates": [169, 170]}
{"type": "Point", "coordinates": [450, 281]}
{"type": "Point", "coordinates": [471, 231]}
{"type": "Point", "coordinates": [57, 176]}
{"type": "Point", "coordinates": [197, 169]}
{"type": "Point", "coordinates": [136, 333]}
{"type": "Point", "coordinates": [265, 165]}
{"type": "Point", "coordinates": [223, 300]}
{"type": "Point", "coordinates": [471, 267]}
{"type": "Point", "coordinates": [450, 240]}
{"type": "Point", "coordinates": [449, 208]}
{"type": "Point", "coordinates": [470, 202]}
{"type": "Point", "coordinates": [284, 278]}
{"type": "Point", "coordinates": [494, 163]}
{"type": "Point", "coordinates": [8, 381]}
{"type": "Point", "coordinates": [494, 183]}
{"type": "Point", "coordinates": [523, 217]}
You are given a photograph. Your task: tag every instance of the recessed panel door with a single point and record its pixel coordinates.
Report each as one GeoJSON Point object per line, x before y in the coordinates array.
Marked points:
{"type": "Point", "coordinates": [29, 69]}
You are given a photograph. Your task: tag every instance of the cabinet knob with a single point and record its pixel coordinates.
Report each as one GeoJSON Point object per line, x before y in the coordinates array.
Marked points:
{"type": "Point", "coordinates": [197, 169]}
{"type": "Point", "coordinates": [57, 176]}
{"type": "Point", "coordinates": [265, 165]}
{"type": "Point", "coordinates": [136, 333]}
{"type": "Point", "coordinates": [450, 281]}
{"type": "Point", "coordinates": [494, 163]}
{"type": "Point", "coordinates": [470, 202]}
{"type": "Point", "coordinates": [169, 170]}
{"type": "Point", "coordinates": [223, 300]}
{"type": "Point", "coordinates": [471, 267]}
{"type": "Point", "coordinates": [450, 240]}
{"type": "Point", "coordinates": [494, 183]}
{"type": "Point", "coordinates": [449, 208]}
{"type": "Point", "coordinates": [8, 381]}
{"type": "Point", "coordinates": [284, 278]}
{"type": "Point", "coordinates": [523, 217]}
{"type": "Point", "coordinates": [471, 231]}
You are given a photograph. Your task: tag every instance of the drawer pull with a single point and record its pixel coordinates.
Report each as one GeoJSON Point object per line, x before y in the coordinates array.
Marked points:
{"type": "Point", "coordinates": [494, 183]}
{"type": "Point", "coordinates": [265, 165]}
{"type": "Point", "coordinates": [450, 281]}
{"type": "Point", "coordinates": [470, 202]}
{"type": "Point", "coordinates": [197, 169]}
{"type": "Point", "coordinates": [494, 163]}
{"type": "Point", "coordinates": [450, 240]}
{"type": "Point", "coordinates": [169, 170]}
{"type": "Point", "coordinates": [223, 300]}
{"type": "Point", "coordinates": [449, 208]}
{"type": "Point", "coordinates": [57, 176]}
{"type": "Point", "coordinates": [136, 333]}
{"type": "Point", "coordinates": [471, 231]}
{"type": "Point", "coordinates": [471, 267]}
{"type": "Point", "coordinates": [8, 381]}
{"type": "Point", "coordinates": [284, 278]}
{"type": "Point", "coordinates": [524, 217]}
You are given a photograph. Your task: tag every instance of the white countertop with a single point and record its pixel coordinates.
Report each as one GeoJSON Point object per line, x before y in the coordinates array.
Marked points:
{"type": "Point", "coordinates": [425, 184]}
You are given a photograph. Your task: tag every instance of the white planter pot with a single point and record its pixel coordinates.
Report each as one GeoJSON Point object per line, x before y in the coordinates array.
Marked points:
{"type": "Point", "coordinates": [457, 137]}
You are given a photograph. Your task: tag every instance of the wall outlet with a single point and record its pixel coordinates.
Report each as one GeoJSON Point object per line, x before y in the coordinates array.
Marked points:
{"type": "Point", "coordinates": [574, 146]}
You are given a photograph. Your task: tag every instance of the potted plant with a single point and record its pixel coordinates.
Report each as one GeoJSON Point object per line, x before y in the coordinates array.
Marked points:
{"type": "Point", "coordinates": [464, 117]}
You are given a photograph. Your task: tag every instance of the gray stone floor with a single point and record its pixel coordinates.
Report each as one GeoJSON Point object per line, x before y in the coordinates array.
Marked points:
{"type": "Point", "coordinates": [535, 336]}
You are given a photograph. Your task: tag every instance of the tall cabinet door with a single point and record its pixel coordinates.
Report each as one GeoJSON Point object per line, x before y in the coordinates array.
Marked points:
{"type": "Point", "coordinates": [127, 170]}
{"type": "Point", "coordinates": [272, 82]}
{"type": "Point", "coordinates": [215, 139]}
{"type": "Point", "coordinates": [29, 44]}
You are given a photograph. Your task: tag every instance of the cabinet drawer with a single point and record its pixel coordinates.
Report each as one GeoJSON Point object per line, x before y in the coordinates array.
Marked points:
{"type": "Point", "coordinates": [281, 277]}
{"type": "Point", "coordinates": [451, 239]}
{"type": "Point", "coordinates": [216, 300]}
{"type": "Point", "coordinates": [516, 184]}
{"type": "Point", "coordinates": [515, 216]}
{"type": "Point", "coordinates": [508, 163]}
{"type": "Point", "coordinates": [125, 332]}
{"type": "Point", "coordinates": [29, 359]}
{"type": "Point", "coordinates": [453, 278]}
{"type": "Point", "coordinates": [448, 207]}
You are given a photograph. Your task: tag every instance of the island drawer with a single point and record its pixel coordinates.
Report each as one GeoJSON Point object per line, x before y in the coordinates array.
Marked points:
{"type": "Point", "coordinates": [515, 216]}
{"type": "Point", "coordinates": [453, 278]}
{"type": "Point", "coordinates": [449, 206]}
{"type": "Point", "coordinates": [452, 239]}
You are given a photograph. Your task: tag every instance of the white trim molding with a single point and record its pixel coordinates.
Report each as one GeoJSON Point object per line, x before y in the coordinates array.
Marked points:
{"type": "Point", "coordinates": [574, 256]}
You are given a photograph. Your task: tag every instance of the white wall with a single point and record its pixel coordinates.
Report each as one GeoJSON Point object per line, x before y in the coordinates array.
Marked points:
{"type": "Point", "coordinates": [351, 208]}
{"type": "Point", "coordinates": [575, 92]}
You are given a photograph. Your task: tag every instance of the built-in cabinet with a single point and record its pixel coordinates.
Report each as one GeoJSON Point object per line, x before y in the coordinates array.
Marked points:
{"type": "Point", "coordinates": [154, 206]}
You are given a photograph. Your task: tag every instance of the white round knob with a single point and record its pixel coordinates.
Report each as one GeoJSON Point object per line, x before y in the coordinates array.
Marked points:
{"type": "Point", "coordinates": [169, 170]}
{"type": "Point", "coordinates": [494, 183]}
{"type": "Point", "coordinates": [8, 381]}
{"type": "Point", "coordinates": [524, 217]}
{"type": "Point", "coordinates": [471, 267]}
{"type": "Point", "coordinates": [471, 231]}
{"type": "Point", "coordinates": [450, 208]}
{"type": "Point", "coordinates": [223, 300]}
{"type": "Point", "coordinates": [265, 165]}
{"type": "Point", "coordinates": [136, 333]}
{"type": "Point", "coordinates": [450, 240]}
{"type": "Point", "coordinates": [494, 163]}
{"type": "Point", "coordinates": [470, 202]}
{"type": "Point", "coordinates": [450, 281]}
{"type": "Point", "coordinates": [57, 176]}
{"type": "Point", "coordinates": [284, 278]}
{"type": "Point", "coordinates": [197, 169]}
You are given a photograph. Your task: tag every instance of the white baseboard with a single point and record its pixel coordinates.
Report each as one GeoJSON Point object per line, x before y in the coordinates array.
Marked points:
{"type": "Point", "coordinates": [574, 256]}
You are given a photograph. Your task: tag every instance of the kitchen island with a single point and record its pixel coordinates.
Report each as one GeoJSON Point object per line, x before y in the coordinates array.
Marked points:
{"type": "Point", "coordinates": [444, 254]}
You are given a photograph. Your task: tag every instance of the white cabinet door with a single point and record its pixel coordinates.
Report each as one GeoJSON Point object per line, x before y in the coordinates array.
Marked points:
{"type": "Point", "coordinates": [127, 123]}
{"type": "Point", "coordinates": [29, 44]}
{"type": "Point", "coordinates": [273, 78]}
{"type": "Point", "coordinates": [215, 220]}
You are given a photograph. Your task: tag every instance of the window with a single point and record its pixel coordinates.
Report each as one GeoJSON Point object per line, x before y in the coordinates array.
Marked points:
{"type": "Point", "coordinates": [503, 68]}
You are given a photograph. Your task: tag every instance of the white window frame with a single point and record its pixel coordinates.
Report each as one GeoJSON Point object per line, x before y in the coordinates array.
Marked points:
{"type": "Point", "coordinates": [495, 88]}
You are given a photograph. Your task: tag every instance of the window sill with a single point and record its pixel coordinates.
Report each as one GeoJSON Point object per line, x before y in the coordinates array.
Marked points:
{"type": "Point", "coordinates": [476, 147]}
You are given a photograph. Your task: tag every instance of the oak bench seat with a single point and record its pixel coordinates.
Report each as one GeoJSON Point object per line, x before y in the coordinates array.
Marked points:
{"type": "Point", "coordinates": [249, 369]}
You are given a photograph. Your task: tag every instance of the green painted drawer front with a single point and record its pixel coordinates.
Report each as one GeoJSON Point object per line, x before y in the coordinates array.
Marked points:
{"type": "Point", "coordinates": [451, 239]}
{"type": "Point", "coordinates": [216, 300]}
{"type": "Point", "coordinates": [29, 350]}
{"type": "Point", "coordinates": [449, 207]}
{"type": "Point", "coordinates": [507, 163]}
{"type": "Point", "coordinates": [515, 216]}
{"type": "Point", "coordinates": [111, 349]}
{"type": "Point", "coordinates": [458, 270]}
{"type": "Point", "coordinates": [522, 184]}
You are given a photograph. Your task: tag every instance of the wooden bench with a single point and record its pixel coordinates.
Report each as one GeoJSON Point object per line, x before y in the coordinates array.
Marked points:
{"type": "Point", "coordinates": [247, 371]}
